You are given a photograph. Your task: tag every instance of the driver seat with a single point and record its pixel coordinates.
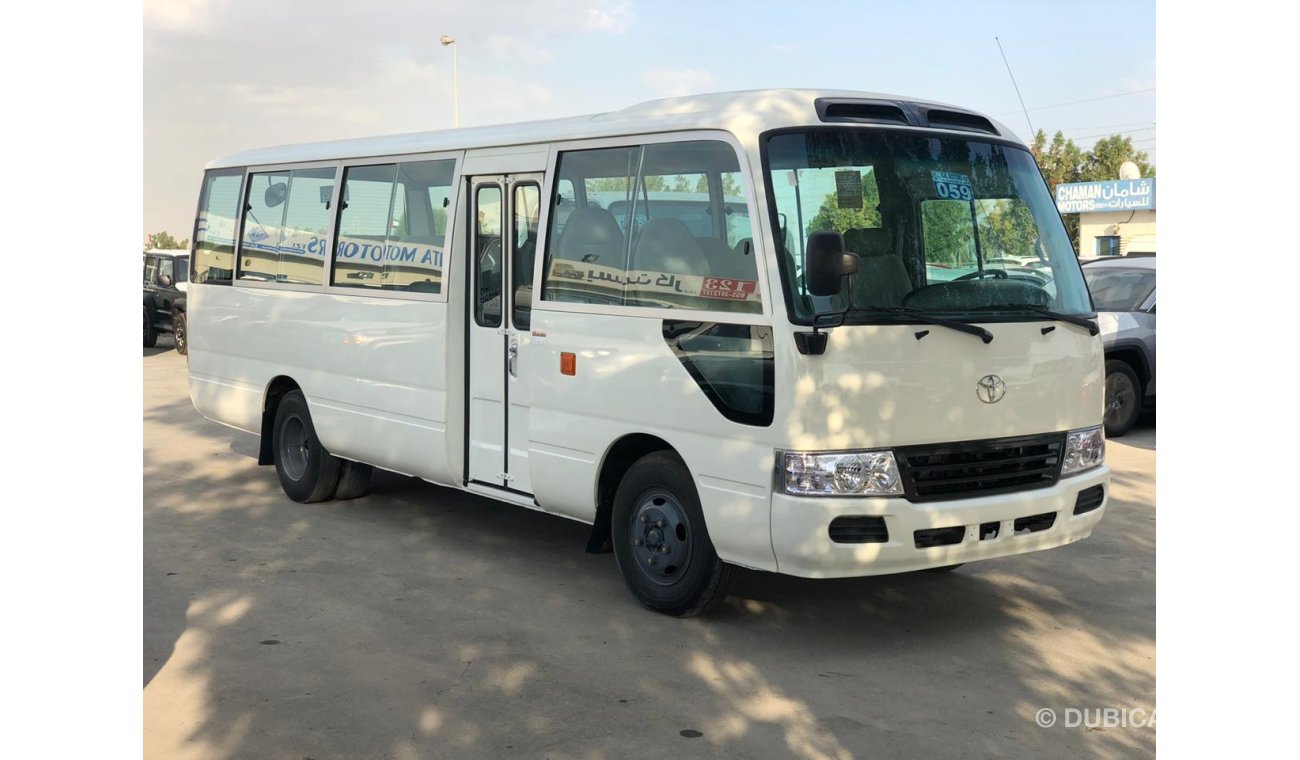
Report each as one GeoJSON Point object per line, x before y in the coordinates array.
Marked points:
{"type": "Point", "coordinates": [882, 279]}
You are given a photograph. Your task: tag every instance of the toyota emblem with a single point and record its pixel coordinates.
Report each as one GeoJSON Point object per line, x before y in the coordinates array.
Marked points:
{"type": "Point", "coordinates": [990, 389]}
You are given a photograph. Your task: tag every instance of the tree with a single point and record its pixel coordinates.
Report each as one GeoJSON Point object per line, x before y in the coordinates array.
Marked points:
{"type": "Point", "coordinates": [164, 240]}
{"type": "Point", "coordinates": [1062, 162]}
{"type": "Point", "coordinates": [831, 217]}
{"type": "Point", "coordinates": [1105, 158]}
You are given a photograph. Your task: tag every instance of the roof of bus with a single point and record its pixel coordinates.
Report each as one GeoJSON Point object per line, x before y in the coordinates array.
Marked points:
{"type": "Point", "coordinates": [743, 113]}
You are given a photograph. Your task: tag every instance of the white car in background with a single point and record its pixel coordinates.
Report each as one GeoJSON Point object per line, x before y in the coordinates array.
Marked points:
{"type": "Point", "coordinates": [1124, 295]}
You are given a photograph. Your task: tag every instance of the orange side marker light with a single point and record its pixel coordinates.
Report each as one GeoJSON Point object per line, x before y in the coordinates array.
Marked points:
{"type": "Point", "coordinates": [568, 363]}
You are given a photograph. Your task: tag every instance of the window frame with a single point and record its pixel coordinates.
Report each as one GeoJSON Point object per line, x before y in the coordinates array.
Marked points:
{"type": "Point", "coordinates": [1117, 248]}
{"type": "Point", "coordinates": [757, 232]}
{"type": "Point", "coordinates": [327, 272]}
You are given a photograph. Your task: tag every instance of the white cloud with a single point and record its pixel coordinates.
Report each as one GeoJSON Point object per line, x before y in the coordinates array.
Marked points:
{"type": "Point", "coordinates": [184, 16]}
{"type": "Point", "coordinates": [676, 82]}
{"type": "Point", "coordinates": [610, 15]}
{"type": "Point", "coordinates": [518, 48]}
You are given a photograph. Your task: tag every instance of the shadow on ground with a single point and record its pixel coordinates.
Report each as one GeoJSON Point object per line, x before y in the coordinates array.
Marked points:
{"type": "Point", "coordinates": [420, 622]}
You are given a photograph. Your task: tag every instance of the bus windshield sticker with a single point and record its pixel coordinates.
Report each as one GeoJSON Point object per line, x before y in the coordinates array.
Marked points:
{"type": "Point", "coordinates": [848, 189]}
{"type": "Point", "coordinates": [952, 186]}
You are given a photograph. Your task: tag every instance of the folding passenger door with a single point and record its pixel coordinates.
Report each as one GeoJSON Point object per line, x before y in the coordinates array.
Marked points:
{"type": "Point", "coordinates": [503, 235]}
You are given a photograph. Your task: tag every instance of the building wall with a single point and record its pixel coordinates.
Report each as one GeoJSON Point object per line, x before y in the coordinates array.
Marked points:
{"type": "Point", "coordinates": [1136, 230]}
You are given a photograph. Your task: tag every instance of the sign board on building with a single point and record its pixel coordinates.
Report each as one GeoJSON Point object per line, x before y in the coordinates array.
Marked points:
{"type": "Point", "coordinates": [1113, 195]}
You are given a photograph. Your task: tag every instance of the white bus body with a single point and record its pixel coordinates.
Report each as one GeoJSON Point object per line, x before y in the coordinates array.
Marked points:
{"type": "Point", "coordinates": [414, 340]}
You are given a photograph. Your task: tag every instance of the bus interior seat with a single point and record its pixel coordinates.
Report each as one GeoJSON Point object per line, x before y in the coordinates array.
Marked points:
{"type": "Point", "coordinates": [591, 235]}
{"type": "Point", "coordinates": [882, 278]}
{"type": "Point", "coordinates": [666, 245]}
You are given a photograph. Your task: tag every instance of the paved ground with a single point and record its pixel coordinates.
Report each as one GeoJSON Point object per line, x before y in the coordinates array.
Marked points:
{"type": "Point", "coordinates": [422, 622]}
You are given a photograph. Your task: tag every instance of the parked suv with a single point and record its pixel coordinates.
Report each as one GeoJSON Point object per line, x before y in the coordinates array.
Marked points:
{"type": "Point", "coordinates": [1124, 294]}
{"type": "Point", "coordinates": [166, 274]}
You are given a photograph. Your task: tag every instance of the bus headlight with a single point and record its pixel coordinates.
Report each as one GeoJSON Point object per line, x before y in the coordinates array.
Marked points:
{"type": "Point", "coordinates": [1084, 450]}
{"type": "Point", "coordinates": [842, 473]}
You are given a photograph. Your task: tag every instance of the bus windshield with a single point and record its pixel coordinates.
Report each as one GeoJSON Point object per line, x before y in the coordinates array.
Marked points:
{"type": "Point", "coordinates": [941, 225]}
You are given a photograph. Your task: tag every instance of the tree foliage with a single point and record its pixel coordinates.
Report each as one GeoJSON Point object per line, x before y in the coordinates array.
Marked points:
{"type": "Point", "coordinates": [831, 217]}
{"type": "Point", "coordinates": [164, 241]}
{"type": "Point", "coordinates": [1062, 162]}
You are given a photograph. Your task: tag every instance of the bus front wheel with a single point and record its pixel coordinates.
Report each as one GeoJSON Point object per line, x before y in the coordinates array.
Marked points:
{"type": "Point", "coordinates": [660, 541]}
{"type": "Point", "coordinates": [308, 473]}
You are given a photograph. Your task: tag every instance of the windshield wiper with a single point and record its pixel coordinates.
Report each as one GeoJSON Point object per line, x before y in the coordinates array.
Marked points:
{"type": "Point", "coordinates": [920, 316]}
{"type": "Point", "coordinates": [1084, 322]}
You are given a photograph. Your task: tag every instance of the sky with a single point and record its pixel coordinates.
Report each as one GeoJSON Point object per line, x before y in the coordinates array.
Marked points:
{"type": "Point", "coordinates": [221, 76]}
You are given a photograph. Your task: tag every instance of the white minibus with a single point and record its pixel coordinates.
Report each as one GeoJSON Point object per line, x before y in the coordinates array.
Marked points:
{"type": "Point", "coordinates": [820, 333]}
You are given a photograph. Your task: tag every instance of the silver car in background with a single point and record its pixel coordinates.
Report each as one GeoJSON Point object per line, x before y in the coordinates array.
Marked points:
{"type": "Point", "coordinates": [1124, 295]}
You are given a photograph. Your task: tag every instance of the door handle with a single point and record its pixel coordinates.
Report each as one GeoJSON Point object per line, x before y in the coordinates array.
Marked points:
{"type": "Point", "coordinates": [512, 359]}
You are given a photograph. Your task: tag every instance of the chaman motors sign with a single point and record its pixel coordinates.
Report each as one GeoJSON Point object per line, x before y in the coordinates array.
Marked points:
{"type": "Point", "coordinates": [1115, 195]}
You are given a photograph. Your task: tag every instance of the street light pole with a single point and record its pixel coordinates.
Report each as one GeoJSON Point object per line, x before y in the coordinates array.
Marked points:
{"type": "Point", "coordinates": [449, 41]}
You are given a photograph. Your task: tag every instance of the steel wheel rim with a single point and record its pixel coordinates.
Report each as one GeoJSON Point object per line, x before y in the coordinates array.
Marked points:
{"type": "Point", "coordinates": [294, 447]}
{"type": "Point", "coordinates": [180, 334]}
{"type": "Point", "coordinates": [1121, 397]}
{"type": "Point", "coordinates": [660, 537]}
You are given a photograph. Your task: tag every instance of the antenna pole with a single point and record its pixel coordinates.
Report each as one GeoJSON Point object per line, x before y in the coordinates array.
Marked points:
{"type": "Point", "coordinates": [1013, 84]}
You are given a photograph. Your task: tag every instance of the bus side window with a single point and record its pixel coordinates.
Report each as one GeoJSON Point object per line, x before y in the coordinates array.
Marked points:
{"type": "Point", "coordinates": [214, 230]}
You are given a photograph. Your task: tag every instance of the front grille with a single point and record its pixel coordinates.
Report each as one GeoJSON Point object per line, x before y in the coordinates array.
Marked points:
{"type": "Point", "coordinates": [934, 472]}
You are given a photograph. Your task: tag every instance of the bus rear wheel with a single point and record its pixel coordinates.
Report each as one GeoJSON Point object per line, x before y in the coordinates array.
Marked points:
{"type": "Point", "coordinates": [661, 544]}
{"type": "Point", "coordinates": [308, 473]}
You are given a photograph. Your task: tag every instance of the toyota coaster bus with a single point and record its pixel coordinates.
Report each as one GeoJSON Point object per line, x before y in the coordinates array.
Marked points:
{"type": "Point", "coordinates": [820, 333]}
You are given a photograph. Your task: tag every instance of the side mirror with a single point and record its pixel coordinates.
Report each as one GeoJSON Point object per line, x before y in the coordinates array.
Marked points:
{"type": "Point", "coordinates": [165, 280]}
{"type": "Point", "coordinates": [826, 263]}
{"type": "Point", "coordinates": [275, 194]}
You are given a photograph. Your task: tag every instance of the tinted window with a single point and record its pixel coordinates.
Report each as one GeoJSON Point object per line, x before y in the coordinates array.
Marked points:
{"type": "Point", "coordinates": [214, 230]}
{"type": "Point", "coordinates": [939, 224]}
{"type": "Point", "coordinates": [526, 203]}
{"type": "Point", "coordinates": [393, 226]}
{"type": "Point", "coordinates": [286, 224]}
{"type": "Point", "coordinates": [1119, 289]}
{"type": "Point", "coordinates": [663, 225]}
{"type": "Point", "coordinates": [489, 263]}
{"type": "Point", "coordinates": [306, 226]}
{"type": "Point", "coordinates": [259, 248]}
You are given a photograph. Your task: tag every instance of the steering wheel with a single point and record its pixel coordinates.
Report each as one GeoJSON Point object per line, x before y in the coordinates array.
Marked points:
{"type": "Point", "coordinates": [996, 274]}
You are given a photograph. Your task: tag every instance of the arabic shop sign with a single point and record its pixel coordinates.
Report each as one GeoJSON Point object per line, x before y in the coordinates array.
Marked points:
{"type": "Point", "coordinates": [1114, 195]}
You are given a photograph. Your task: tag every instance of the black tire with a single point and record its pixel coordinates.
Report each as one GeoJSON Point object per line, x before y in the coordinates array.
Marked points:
{"type": "Point", "coordinates": [1123, 398]}
{"type": "Point", "coordinates": [150, 334]}
{"type": "Point", "coordinates": [180, 332]}
{"type": "Point", "coordinates": [308, 473]}
{"type": "Point", "coordinates": [674, 569]}
{"type": "Point", "coordinates": [354, 480]}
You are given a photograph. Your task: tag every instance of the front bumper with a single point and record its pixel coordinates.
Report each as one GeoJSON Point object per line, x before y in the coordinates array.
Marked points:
{"type": "Point", "coordinates": [803, 547]}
